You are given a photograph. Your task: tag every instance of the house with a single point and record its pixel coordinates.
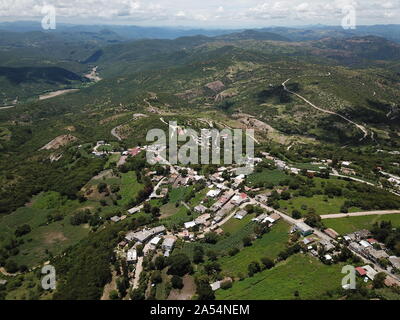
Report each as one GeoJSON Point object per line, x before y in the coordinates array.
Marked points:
{"type": "Point", "coordinates": [361, 272]}
{"type": "Point", "coordinates": [239, 199]}
{"type": "Point", "coordinates": [355, 247]}
{"type": "Point", "coordinates": [215, 286]}
{"type": "Point", "coordinates": [213, 193]}
{"type": "Point", "coordinates": [240, 214]}
{"type": "Point", "coordinates": [134, 152]}
{"type": "Point", "coordinates": [134, 210]}
{"type": "Point", "coordinates": [275, 217]}
{"type": "Point", "coordinates": [328, 246]}
{"type": "Point", "coordinates": [395, 261]}
{"type": "Point", "coordinates": [328, 257]}
{"type": "Point", "coordinates": [189, 225]}
{"type": "Point", "coordinates": [3, 282]}
{"type": "Point", "coordinates": [122, 244]}
{"type": "Point", "coordinates": [155, 241]}
{"type": "Point", "coordinates": [365, 244]}
{"type": "Point", "coordinates": [131, 256]}
{"type": "Point", "coordinates": [332, 233]}
{"type": "Point", "coordinates": [115, 219]}
{"type": "Point", "coordinates": [168, 243]}
{"type": "Point", "coordinates": [308, 241]}
{"type": "Point", "coordinates": [200, 208]}
{"type": "Point", "coordinates": [372, 240]}
{"type": "Point", "coordinates": [203, 219]}
{"type": "Point", "coordinates": [371, 273]}
{"type": "Point", "coordinates": [362, 234]}
{"type": "Point", "coordinates": [304, 229]}
{"type": "Point", "coordinates": [375, 255]}
{"type": "Point", "coordinates": [263, 198]}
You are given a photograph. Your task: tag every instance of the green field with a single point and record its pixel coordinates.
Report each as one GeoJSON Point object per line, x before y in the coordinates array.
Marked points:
{"type": "Point", "coordinates": [235, 224]}
{"type": "Point", "coordinates": [272, 176]}
{"type": "Point", "coordinates": [351, 224]}
{"type": "Point", "coordinates": [129, 188]}
{"type": "Point", "coordinates": [330, 206]}
{"type": "Point", "coordinates": [45, 237]}
{"type": "Point", "coordinates": [301, 273]}
{"type": "Point", "coordinates": [270, 245]}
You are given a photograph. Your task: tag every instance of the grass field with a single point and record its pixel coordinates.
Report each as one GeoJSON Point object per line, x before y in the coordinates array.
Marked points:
{"type": "Point", "coordinates": [271, 176]}
{"type": "Point", "coordinates": [129, 188]}
{"type": "Point", "coordinates": [301, 273]}
{"type": "Point", "coordinates": [44, 237]}
{"type": "Point", "coordinates": [351, 224]}
{"type": "Point", "coordinates": [330, 206]}
{"type": "Point", "coordinates": [268, 246]}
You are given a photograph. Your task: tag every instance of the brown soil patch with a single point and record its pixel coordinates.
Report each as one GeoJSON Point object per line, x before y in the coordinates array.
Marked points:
{"type": "Point", "coordinates": [59, 142]}
{"type": "Point", "coordinates": [187, 292]}
{"type": "Point", "coordinates": [52, 237]}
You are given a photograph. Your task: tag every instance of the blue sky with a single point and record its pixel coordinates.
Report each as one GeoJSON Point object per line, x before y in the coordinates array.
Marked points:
{"type": "Point", "coordinates": [205, 13]}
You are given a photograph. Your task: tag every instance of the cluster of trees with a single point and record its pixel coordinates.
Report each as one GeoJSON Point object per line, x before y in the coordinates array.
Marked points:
{"type": "Point", "coordinates": [384, 232]}
{"type": "Point", "coordinates": [255, 266]}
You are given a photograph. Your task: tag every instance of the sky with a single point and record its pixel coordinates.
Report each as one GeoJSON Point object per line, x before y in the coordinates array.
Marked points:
{"type": "Point", "coordinates": [205, 13]}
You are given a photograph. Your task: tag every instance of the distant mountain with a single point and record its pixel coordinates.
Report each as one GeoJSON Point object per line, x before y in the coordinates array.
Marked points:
{"type": "Point", "coordinates": [253, 35]}
{"type": "Point", "coordinates": [369, 47]}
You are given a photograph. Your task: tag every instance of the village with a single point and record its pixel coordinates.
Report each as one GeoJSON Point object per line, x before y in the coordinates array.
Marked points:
{"type": "Point", "coordinates": [226, 198]}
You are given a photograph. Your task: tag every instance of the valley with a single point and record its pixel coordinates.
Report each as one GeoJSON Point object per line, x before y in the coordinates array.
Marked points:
{"type": "Point", "coordinates": [77, 192]}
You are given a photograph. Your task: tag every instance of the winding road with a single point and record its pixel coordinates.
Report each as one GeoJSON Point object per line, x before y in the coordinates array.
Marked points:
{"type": "Point", "coordinates": [360, 127]}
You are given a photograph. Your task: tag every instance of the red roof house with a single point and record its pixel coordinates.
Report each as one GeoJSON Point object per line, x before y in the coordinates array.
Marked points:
{"type": "Point", "coordinates": [361, 271]}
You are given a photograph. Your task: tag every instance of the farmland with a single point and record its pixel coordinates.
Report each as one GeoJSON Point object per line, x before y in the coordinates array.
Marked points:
{"type": "Point", "coordinates": [302, 274]}
{"type": "Point", "coordinates": [270, 245]}
{"type": "Point", "coordinates": [351, 224]}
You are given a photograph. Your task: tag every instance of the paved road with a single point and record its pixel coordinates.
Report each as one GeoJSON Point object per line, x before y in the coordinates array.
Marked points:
{"type": "Point", "coordinates": [362, 128]}
{"type": "Point", "coordinates": [115, 134]}
{"type": "Point", "coordinates": [359, 214]}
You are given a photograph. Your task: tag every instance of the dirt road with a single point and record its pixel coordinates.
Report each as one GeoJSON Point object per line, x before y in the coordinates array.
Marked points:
{"type": "Point", "coordinates": [359, 214]}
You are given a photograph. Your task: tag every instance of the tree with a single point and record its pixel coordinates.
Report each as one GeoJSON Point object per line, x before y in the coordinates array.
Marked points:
{"type": "Point", "coordinates": [198, 255]}
{"type": "Point", "coordinates": [159, 262]}
{"type": "Point", "coordinates": [211, 237]}
{"type": "Point", "coordinates": [203, 289]}
{"type": "Point", "coordinates": [253, 268]}
{"type": "Point", "coordinates": [267, 262]}
{"type": "Point", "coordinates": [114, 295]}
{"type": "Point", "coordinates": [212, 267]}
{"type": "Point", "coordinates": [177, 282]}
{"type": "Point", "coordinates": [22, 230]}
{"type": "Point", "coordinates": [296, 214]}
{"type": "Point", "coordinates": [179, 264]}
{"type": "Point", "coordinates": [212, 255]}
{"type": "Point", "coordinates": [379, 280]}
{"type": "Point", "coordinates": [246, 241]}
{"type": "Point", "coordinates": [156, 277]}
{"type": "Point", "coordinates": [11, 266]}
{"type": "Point", "coordinates": [101, 187]}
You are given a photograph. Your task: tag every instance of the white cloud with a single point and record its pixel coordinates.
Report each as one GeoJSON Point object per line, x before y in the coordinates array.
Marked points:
{"type": "Point", "coordinates": [208, 12]}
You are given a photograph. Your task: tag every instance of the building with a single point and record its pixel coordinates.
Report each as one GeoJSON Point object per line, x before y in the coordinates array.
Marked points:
{"type": "Point", "coordinates": [168, 243]}
{"type": "Point", "coordinates": [365, 244]}
{"type": "Point", "coordinates": [371, 273]}
{"type": "Point", "coordinates": [332, 233]}
{"type": "Point", "coordinates": [263, 198]}
{"type": "Point", "coordinates": [115, 219]}
{"type": "Point", "coordinates": [145, 234]}
{"type": "Point", "coordinates": [213, 193]}
{"type": "Point", "coordinates": [240, 214]}
{"type": "Point", "coordinates": [189, 225]}
{"type": "Point", "coordinates": [155, 241]}
{"type": "Point", "coordinates": [134, 210]}
{"type": "Point", "coordinates": [361, 272]}
{"type": "Point", "coordinates": [275, 217]}
{"type": "Point", "coordinates": [239, 199]}
{"type": "Point", "coordinates": [395, 261]}
{"type": "Point", "coordinates": [304, 229]}
{"type": "Point", "coordinates": [203, 219]}
{"type": "Point", "coordinates": [200, 208]}
{"type": "Point", "coordinates": [131, 256]}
